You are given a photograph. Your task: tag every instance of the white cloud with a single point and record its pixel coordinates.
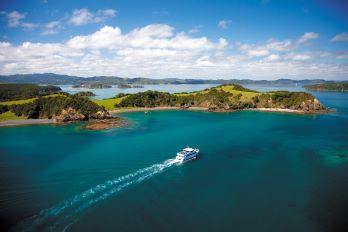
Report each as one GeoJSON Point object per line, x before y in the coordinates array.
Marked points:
{"type": "Point", "coordinates": [254, 51]}
{"type": "Point", "coordinates": [81, 17]}
{"type": "Point", "coordinates": [272, 57]}
{"type": "Point", "coordinates": [52, 28]}
{"type": "Point", "coordinates": [307, 37]}
{"type": "Point", "coordinates": [157, 50]}
{"type": "Point", "coordinates": [275, 46]}
{"type": "Point", "coordinates": [224, 23]}
{"type": "Point", "coordinates": [155, 36]}
{"type": "Point", "coordinates": [195, 29]}
{"type": "Point", "coordinates": [107, 13]}
{"type": "Point", "coordinates": [84, 16]}
{"type": "Point", "coordinates": [15, 19]}
{"type": "Point", "coordinates": [301, 57]}
{"type": "Point", "coordinates": [340, 37]}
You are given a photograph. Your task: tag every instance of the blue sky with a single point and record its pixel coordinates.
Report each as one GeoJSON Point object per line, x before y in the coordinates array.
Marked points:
{"type": "Point", "coordinates": [256, 39]}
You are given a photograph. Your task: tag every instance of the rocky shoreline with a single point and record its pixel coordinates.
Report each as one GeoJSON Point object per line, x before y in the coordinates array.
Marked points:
{"type": "Point", "coordinates": [106, 124]}
{"type": "Point", "coordinates": [144, 109]}
{"type": "Point", "coordinates": [102, 124]}
{"type": "Point", "coordinates": [109, 122]}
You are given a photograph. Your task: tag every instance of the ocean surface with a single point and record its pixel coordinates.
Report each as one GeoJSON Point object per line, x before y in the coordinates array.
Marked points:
{"type": "Point", "coordinates": [257, 171]}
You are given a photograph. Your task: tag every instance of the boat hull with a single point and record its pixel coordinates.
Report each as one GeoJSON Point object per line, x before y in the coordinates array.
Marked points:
{"type": "Point", "coordinates": [187, 157]}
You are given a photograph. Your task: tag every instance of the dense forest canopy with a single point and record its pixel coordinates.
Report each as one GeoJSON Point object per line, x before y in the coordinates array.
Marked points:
{"type": "Point", "coordinates": [25, 91]}
{"type": "Point", "coordinates": [85, 94]}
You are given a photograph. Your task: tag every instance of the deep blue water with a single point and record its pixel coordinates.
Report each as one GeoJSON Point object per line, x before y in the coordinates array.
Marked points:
{"type": "Point", "coordinates": [258, 171]}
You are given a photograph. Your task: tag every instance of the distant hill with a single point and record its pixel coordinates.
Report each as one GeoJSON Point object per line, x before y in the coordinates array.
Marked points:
{"type": "Point", "coordinates": [57, 79]}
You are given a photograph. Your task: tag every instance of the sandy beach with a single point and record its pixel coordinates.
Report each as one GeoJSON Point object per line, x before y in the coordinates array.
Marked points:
{"type": "Point", "coordinates": [25, 122]}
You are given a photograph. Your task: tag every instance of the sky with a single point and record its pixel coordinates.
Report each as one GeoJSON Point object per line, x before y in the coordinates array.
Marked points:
{"type": "Point", "coordinates": [203, 39]}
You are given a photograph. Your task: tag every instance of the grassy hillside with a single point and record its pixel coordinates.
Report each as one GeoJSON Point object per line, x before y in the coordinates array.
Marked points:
{"type": "Point", "coordinates": [10, 116]}
{"type": "Point", "coordinates": [232, 88]}
{"type": "Point", "coordinates": [110, 103]}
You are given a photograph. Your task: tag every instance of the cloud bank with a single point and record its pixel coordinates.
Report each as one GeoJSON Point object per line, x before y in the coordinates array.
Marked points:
{"type": "Point", "coordinates": [158, 51]}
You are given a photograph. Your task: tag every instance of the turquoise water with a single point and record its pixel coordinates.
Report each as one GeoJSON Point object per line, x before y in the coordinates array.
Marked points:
{"type": "Point", "coordinates": [257, 172]}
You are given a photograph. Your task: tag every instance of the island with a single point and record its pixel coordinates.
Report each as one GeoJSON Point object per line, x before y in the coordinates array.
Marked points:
{"type": "Point", "coordinates": [93, 86]}
{"type": "Point", "coordinates": [127, 86]}
{"type": "Point", "coordinates": [85, 94]}
{"type": "Point", "coordinates": [66, 108]}
{"type": "Point", "coordinates": [335, 86]}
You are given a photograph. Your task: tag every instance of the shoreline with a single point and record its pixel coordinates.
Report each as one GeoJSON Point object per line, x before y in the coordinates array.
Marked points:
{"type": "Point", "coordinates": [26, 122]}
{"type": "Point", "coordinates": [143, 109]}
{"type": "Point", "coordinates": [277, 110]}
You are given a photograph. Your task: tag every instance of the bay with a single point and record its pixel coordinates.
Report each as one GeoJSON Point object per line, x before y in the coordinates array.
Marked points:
{"type": "Point", "coordinates": [257, 171]}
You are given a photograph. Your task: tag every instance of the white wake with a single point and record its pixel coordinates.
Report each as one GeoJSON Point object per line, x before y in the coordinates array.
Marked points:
{"type": "Point", "coordinates": [63, 215]}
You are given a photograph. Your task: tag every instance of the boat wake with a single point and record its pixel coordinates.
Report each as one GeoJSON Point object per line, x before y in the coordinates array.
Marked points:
{"type": "Point", "coordinates": [63, 215]}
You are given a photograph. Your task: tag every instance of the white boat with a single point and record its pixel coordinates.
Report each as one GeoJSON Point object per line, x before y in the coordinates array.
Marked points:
{"type": "Point", "coordinates": [187, 154]}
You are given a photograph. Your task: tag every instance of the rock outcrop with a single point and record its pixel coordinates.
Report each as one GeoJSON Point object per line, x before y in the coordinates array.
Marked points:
{"type": "Point", "coordinates": [70, 114]}
{"type": "Point", "coordinates": [311, 106]}
{"type": "Point", "coordinates": [105, 124]}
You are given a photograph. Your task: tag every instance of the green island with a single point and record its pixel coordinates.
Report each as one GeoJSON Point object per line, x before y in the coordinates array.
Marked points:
{"type": "Point", "coordinates": [63, 107]}
{"type": "Point", "coordinates": [127, 86]}
{"type": "Point", "coordinates": [336, 86]}
{"type": "Point", "coordinates": [93, 86]}
{"type": "Point", "coordinates": [85, 94]}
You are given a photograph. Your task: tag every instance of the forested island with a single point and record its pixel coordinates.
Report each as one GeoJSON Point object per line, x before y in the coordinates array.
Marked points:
{"type": "Point", "coordinates": [127, 86]}
{"type": "Point", "coordinates": [93, 86]}
{"type": "Point", "coordinates": [336, 86]}
{"type": "Point", "coordinates": [85, 94]}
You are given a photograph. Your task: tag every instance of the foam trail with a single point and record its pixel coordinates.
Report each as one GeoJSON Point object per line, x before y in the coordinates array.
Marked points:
{"type": "Point", "coordinates": [63, 215]}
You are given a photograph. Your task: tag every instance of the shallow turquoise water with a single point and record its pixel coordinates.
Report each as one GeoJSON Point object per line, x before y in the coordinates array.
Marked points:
{"type": "Point", "coordinates": [257, 172]}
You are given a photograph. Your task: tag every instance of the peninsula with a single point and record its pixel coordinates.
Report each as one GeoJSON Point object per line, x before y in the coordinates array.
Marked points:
{"type": "Point", "coordinates": [63, 107]}
{"type": "Point", "coordinates": [221, 98]}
